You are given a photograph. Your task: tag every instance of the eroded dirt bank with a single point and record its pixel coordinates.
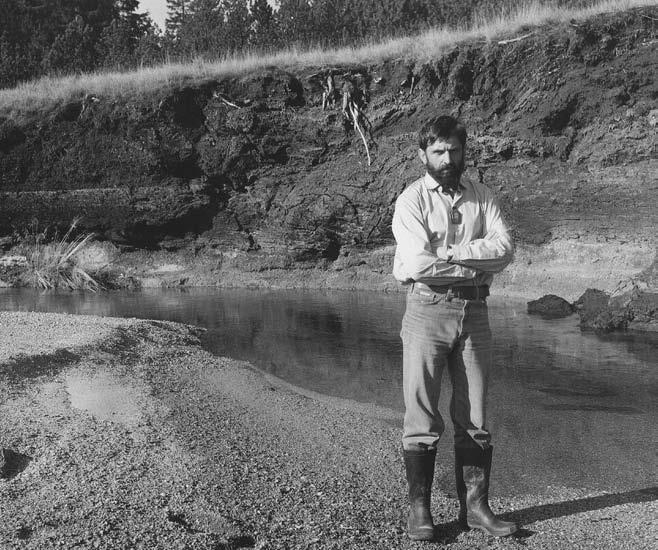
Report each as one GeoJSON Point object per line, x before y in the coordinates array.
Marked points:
{"type": "Point", "coordinates": [207, 453]}
{"type": "Point", "coordinates": [247, 180]}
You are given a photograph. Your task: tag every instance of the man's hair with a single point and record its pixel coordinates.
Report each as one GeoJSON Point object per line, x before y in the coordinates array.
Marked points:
{"type": "Point", "coordinates": [443, 127]}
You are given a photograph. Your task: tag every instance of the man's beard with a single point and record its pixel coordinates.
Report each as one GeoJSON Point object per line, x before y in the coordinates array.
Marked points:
{"type": "Point", "coordinates": [447, 176]}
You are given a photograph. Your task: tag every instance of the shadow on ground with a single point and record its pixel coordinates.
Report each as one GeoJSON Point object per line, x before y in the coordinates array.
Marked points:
{"type": "Point", "coordinates": [570, 507]}
{"type": "Point", "coordinates": [448, 532]}
{"type": "Point", "coordinates": [12, 463]}
{"type": "Point", "coordinates": [30, 367]}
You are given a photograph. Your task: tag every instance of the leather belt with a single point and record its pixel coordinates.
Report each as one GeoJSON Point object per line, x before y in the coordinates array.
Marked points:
{"type": "Point", "coordinates": [462, 292]}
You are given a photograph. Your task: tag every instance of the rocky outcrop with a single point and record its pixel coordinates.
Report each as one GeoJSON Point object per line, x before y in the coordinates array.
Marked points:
{"type": "Point", "coordinates": [636, 309]}
{"type": "Point", "coordinates": [250, 175]}
{"type": "Point", "coordinates": [633, 306]}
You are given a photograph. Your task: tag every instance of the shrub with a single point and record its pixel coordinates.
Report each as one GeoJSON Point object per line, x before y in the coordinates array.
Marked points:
{"type": "Point", "coordinates": [56, 264]}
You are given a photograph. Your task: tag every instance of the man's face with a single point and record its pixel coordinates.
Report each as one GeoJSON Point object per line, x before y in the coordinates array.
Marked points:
{"type": "Point", "coordinates": [444, 160]}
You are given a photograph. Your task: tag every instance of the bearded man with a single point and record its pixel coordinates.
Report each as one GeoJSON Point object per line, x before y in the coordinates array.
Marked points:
{"type": "Point", "coordinates": [451, 238]}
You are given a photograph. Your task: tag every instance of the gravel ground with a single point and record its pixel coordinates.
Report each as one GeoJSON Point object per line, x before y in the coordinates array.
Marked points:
{"type": "Point", "coordinates": [31, 333]}
{"type": "Point", "coordinates": [187, 450]}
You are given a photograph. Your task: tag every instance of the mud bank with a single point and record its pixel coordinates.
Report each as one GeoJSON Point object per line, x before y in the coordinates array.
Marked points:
{"type": "Point", "coordinates": [207, 453]}
{"type": "Point", "coordinates": [249, 181]}
{"type": "Point", "coordinates": [566, 267]}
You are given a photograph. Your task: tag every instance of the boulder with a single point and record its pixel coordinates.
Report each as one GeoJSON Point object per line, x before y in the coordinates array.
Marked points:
{"type": "Point", "coordinates": [550, 306]}
{"type": "Point", "coordinates": [636, 309]}
{"type": "Point", "coordinates": [592, 307]}
{"type": "Point", "coordinates": [643, 311]}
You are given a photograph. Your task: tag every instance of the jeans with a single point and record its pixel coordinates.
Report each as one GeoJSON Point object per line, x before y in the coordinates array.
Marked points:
{"type": "Point", "coordinates": [441, 331]}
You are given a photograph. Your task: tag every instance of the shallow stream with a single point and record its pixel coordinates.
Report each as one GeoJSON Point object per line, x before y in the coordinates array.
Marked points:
{"type": "Point", "coordinates": [566, 409]}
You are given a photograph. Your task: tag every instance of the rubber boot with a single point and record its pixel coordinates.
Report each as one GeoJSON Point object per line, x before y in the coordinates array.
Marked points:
{"type": "Point", "coordinates": [472, 470]}
{"type": "Point", "coordinates": [420, 474]}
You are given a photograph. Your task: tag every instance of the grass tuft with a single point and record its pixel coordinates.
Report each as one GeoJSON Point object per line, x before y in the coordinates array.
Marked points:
{"type": "Point", "coordinates": [53, 265]}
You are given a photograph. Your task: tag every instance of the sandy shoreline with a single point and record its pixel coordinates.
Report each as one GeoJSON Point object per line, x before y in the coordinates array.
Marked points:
{"type": "Point", "coordinates": [196, 451]}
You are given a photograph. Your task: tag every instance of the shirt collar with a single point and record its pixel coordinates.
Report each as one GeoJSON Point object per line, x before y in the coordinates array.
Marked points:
{"type": "Point", "coordinates": [431, 184]}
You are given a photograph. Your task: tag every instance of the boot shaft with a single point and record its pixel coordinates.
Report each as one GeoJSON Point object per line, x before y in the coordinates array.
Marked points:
{"type": "Point", "coordinates": [473, 471]}
{"type": "Point", "coordinates": [419, 466]}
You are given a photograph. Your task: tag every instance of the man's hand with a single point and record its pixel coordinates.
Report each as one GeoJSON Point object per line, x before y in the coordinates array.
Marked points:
{"type": "Point", "coordinates": [444, 254]}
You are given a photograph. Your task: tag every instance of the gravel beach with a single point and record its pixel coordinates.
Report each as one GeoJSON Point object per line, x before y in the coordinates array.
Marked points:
{"type": "Point", "coordinates": [126, 434]}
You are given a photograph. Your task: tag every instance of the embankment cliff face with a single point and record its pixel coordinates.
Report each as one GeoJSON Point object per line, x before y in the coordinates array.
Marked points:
{"type": "Point", "coordinates": [248, 180]}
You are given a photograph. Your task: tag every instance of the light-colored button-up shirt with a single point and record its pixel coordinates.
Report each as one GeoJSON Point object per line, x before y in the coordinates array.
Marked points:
{"type": "Point", "coordinates": [426, 237]}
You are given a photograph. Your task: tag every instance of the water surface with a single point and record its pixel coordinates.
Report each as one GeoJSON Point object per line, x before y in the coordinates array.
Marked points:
{"type": "Point", "coordinates": [565, 408]}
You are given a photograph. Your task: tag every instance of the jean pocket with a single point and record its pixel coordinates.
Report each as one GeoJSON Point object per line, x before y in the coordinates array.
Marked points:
{"type": "Point", "coordinates": [425, 297]}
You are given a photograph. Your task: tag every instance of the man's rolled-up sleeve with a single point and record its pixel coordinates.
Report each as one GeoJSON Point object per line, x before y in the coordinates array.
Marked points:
{"type": "Point", "coordinates": [414, 250]}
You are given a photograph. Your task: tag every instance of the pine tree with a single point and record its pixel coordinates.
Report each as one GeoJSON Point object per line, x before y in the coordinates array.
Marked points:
{"type": "Point", "coordinates": [73, 51]}
{"type": "Point", "coordinates": [263, 31]}
{"type": "Point", "coordinates": [329, 22]}
{"type": "Point", "coordinates": [66, 35]}
{"type": "Point", "coordinates": [177, 13]}
{"type": "Point", "coordinates": [202, 33]}
{"type": "Point", "coordinates": [237, 25]}
{"type": "Point", "coordinates": [149, 48]}
{"type": "Point", "coordinates": [11, 43]}
{"type": "Point", "coordinates": [295, 21]}
{"type": "Point", "coordinates": [118, 40]}
{"type": "Point", "coordinates": [395, 18]}
{"type": "Point", "coordinates": [138, 23]}
{"type": "Point", "coordinates": [7, 58]}
{"type": "Point", "coordinates": [117, 45]}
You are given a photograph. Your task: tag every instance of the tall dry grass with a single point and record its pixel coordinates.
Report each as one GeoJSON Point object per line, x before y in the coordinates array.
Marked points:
{"type": "Point", "coordinates": [40, 94]}
{"type": "Point", "coordinates": [53, 264]}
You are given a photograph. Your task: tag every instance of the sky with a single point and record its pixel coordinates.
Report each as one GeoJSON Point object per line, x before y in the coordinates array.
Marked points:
{"type": "Point", "coordinates": [157, 9]}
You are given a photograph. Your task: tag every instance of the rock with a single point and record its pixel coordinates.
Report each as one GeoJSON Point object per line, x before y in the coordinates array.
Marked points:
{"type": "Point", "coordinates": [590, 306]}
{"type": "Point", "coordinates": [551, 306]}
{"type": "Point", "coordinates": [96, 256]}
{"type": "Point", "coordinates": [637, 309]}
{"type": "Point", "coordinates": [643, 311]}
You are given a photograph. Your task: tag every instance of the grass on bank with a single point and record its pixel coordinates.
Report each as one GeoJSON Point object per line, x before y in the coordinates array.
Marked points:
{"type": "Point", "coordinates": [55, 264]}
{"type": "Point", "coordinates": [42, 93]}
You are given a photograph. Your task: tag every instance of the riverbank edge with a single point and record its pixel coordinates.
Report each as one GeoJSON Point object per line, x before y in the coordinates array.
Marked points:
{"type": "Point", "coordinates": [193, 472]}
{"type": "Point", "coordinates": [566, 267]}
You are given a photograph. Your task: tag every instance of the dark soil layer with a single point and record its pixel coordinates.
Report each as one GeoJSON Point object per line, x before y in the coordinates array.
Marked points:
{"type": "Point", "coordinates": [249, 181]}
{"type": "Point", "coordinates": [208, 454]}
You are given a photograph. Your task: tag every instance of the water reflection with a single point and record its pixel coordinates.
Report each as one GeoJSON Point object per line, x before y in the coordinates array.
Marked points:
{"type": "Point", "coordinates": [565, 408]}
{"type": "Point", "coordinates": [105, 396]}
